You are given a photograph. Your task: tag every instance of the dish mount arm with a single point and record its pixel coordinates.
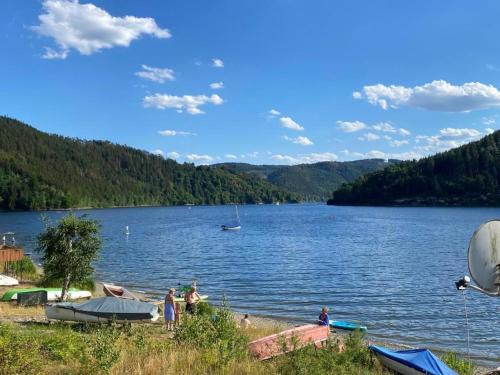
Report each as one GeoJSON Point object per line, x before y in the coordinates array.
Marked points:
{"type": "Point", "coordinates": [465, 282]}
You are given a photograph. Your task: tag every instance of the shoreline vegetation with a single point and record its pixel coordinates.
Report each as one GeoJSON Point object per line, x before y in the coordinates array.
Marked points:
{"type": "Point", "coordinates": [463, 176]}
{"type": "Point", "coordinates": [200, 345]}
{"type": "Point", "coordinates": [40, 171]}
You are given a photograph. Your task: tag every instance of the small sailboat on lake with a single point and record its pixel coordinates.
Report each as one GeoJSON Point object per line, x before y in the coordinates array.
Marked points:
{"type": "Point", "coordinates": [235, 225]}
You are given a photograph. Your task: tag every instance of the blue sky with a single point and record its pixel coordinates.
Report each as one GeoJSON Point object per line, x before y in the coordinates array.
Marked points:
{"type": "Point", "coordinates": [263, 81]}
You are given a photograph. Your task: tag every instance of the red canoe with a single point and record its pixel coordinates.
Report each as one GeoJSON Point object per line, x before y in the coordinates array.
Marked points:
{"type": "Point", "coordinates": [117, 291]}
{"type": "Point", "coordinates": [271, 346]}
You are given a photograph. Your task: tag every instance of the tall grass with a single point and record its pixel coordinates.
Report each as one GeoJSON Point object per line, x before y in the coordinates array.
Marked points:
{"type": "Point", "coordinates": [208, 343]}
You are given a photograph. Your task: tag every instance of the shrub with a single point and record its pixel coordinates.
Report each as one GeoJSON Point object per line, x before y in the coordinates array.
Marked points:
{"type": "Point", "coordinates": [216, 336]}
{"type": "Point", "coordinates": [102, 344]}
{"type": "Point", "coordinates": [24, 268]}
{"type": "Point", "coordinates": [462, 366]}
{"type": "Point", "coordinates": [18, 353]}
{"type": "Point", "coordinates": [354, 359]}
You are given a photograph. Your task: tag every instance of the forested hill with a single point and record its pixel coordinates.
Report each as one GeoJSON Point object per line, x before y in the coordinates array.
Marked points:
{"type": "Point", "coordinates": [313, 181]}
{"type": "Point", "coordinates": [41, 171]}
{"type": "Point", "coordinates": [467, 175]}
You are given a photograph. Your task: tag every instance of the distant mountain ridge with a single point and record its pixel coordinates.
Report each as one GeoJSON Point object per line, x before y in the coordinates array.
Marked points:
{"type": "Point", "coordinates": [465, 176]}
{"type": "Point", "coordinates": [45, 171]}
{"type": "Point", "coordinates": [312, 181]}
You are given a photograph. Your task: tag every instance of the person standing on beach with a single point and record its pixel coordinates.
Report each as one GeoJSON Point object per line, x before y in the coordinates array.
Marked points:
{"type": "Point", "coordinates": [245, 322]}
{"type": "Point", "coordinates": [170, 309]}
{"type": "Point", "coordinates": [191, 298]}
{"type": "Point", "coordinates": [324, 319]}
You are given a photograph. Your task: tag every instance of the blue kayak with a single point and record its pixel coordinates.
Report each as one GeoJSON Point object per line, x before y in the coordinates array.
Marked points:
{"type": "Point", "coordinates": [348, 326]}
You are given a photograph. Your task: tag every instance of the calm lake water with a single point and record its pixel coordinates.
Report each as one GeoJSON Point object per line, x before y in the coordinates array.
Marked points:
{"type": "Point", "coordinates": [391, 268]}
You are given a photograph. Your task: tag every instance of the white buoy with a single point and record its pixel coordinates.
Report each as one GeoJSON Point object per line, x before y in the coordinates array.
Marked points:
{"type": "Point", "coordinates": [126, 230]}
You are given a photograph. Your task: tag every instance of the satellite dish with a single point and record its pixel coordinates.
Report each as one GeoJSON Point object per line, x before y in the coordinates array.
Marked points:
{"type": "Point", "coordinates": [484, 257]}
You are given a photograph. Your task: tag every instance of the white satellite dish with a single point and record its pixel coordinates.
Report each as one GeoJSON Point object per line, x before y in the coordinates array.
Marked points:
{"type": "Point", "coordinates": [484, 259]}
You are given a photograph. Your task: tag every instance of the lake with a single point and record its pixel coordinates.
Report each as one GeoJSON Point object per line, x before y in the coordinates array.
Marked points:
{"type": "Point", "coordinates": [391, 268]}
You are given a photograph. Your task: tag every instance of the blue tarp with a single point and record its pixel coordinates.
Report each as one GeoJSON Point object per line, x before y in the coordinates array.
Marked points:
{"type": "Point", "coordinates": [419, 359]}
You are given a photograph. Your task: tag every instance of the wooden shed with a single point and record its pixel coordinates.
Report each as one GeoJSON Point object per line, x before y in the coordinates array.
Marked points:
{"type": "Point", "coordinates": [10, 254]}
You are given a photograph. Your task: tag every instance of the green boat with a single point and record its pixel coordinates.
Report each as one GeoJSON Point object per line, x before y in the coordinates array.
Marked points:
{"type": "Point", "coordinates": [203, 298]}
{"type": "Point", "coordinates": [53, 294]}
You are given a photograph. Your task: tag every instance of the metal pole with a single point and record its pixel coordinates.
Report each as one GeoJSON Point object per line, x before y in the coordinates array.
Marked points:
{"type": "Point", "coordinates": [467, 326]}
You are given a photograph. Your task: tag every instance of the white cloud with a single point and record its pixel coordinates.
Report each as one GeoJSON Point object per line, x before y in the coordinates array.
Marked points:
{"type": "Point", "coordinates": [159, 75]}
{"type": "Point", "coordinates": [404, 132]}
{"type": "Point", "coordinates": [387, 137]}
{"type": "Point", "coordinates": [370, 137]}
{"type": "Point", "coordinates": [157, 152]}
{"type": "Point", "coordinates": [459, 133]}
{"type": "Point", "coordinates": [51, 54]}
{"type": "Point", "coordinates": [435, 96]}
{"type": "Point", "coordinates": [353, 154]}
{"type": "Point", "coordinates": [287, 122]}
{"type": "Point", "coordinates": [202, 159]}
{"type": "Point", "coordinates": [189, 103]}
{"type": "Point", "coordinates": [375, 154]}
{"type": "Point", "coordinates": [489, 131]}
{"type": "Point", "coordinates": [384, 127]}
{"type": "Point", "coordinates": [230, 156]}
{"type": "Point", "coordinates": [173, 155]}
{"type": "Point", "coordinates": [88, 29]}
{"type": "Point", "coordinates": [173, 133]}
{"type": "Point", "coordinates": [217, 63]}
{"type": "Point", "coordinates": [303, 141]}
{"type": "Point", "coordinates": [217, 85]}
{"type": "Point", "coordinates": [305, 158]}
{"type": "Point", "coordinates": [351, 126]}
{"type": "Point", "coordinates": [397, 143]}
{"type": "Point", "coordinates": [488, 121]}
{"type": "Point", "coordinates": [446, 139]}
{"type": "Point", "coordinates": [274, 113]}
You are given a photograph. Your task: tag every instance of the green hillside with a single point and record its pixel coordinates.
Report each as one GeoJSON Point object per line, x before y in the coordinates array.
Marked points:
{"type": "Point", "coordinates": [313, 181]}
{"type": "Point", "coordinates": [41, 171]}
{"type": "Point", "coordinates": [467, 175]}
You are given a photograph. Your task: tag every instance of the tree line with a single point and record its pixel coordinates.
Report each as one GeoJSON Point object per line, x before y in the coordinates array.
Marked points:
{"type": "Point", "coordinates": [44, 171]}
{"type": "Point", "coordinates": [467, 175]}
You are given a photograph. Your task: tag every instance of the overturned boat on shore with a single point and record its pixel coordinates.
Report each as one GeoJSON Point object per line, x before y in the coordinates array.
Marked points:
{"type": "Point", "coordinates": [412, 362]}
{"type": "Point", "coordinates": [118, 292]}
{"type": "Point", "coordinates": [53, 294]}
{"type": "Point", "coordinates": [8, 281]}
{"type": "Point", "coordinates": [103, 309]}
{"type": "Point", "coordinates": [295, 338]}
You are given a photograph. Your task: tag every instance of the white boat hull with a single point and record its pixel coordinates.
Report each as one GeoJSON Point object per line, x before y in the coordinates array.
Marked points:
{"type": "Point", "coordinates": [231, 228]}
{"type": "Point", "coordinates": [8, 281]}
{"type": "Point", "coordinates": [397, 366]}
{"type": "Point", "coordinates": [54, 312]}
{"type": "Point", "coordinates": [56, 296]}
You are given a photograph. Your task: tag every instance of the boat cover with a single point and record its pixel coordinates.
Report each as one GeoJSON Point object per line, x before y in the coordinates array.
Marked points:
{"type": "Point", "coordinates": [117, 308]}
{"type": "Point", "coordinates": [419, 359]}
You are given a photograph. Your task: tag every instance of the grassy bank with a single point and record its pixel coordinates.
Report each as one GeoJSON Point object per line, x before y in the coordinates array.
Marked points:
{"type": "Point", "coordinates": [210, 343]}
